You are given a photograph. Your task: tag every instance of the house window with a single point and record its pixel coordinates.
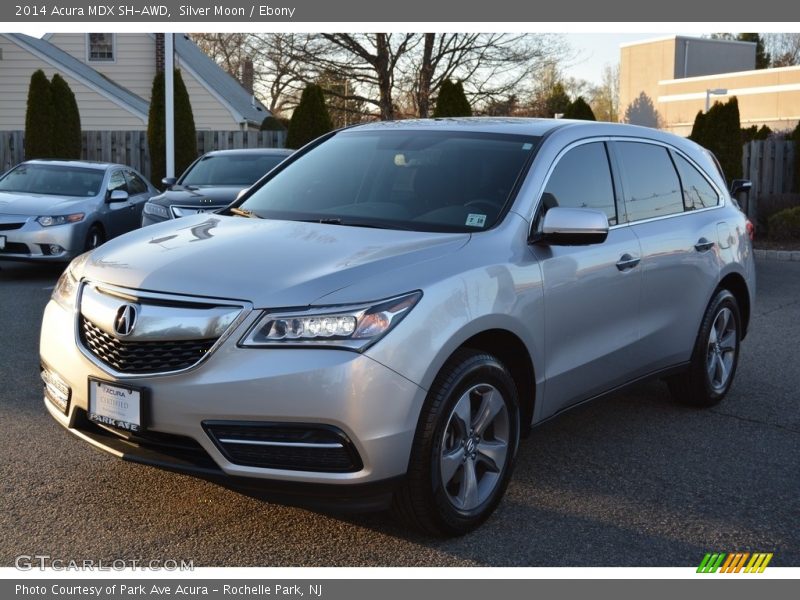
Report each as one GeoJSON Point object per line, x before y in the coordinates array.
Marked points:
{"type": "Point", "coordinates": [101, 47]}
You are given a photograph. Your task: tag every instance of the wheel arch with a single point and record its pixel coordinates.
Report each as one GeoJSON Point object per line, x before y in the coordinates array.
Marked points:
{"type": "Point", "coordinates": [736, 285]}
{"type": "Point", "coordinates": [512, 352]}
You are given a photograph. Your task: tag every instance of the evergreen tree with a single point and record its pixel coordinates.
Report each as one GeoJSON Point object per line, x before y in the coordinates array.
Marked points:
{"type": "Point", "coordinates": [185, 133]}
{"type": "Point", "coordinates": [557, 100]}
{"type": "Point", "coordinates": [39, 118]}
{"type": "Point", "coordinates": [66, 134]}
{"type": "Point", "coordinates": [763, 58]}
{"type": "Point", "coordinates": [452, 101]}
{"type": "Point", "coordinates": [310, 119]}
{"type": "Point", "coordinates": [698, 129]}
{"type": "Point", "coordinates": [720, 133]}
{"type": "Point", "coordinates": [579, 109]}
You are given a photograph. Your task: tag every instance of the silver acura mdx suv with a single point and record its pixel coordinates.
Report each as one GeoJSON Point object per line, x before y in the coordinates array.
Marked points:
{"type": "Point", "coordinates": [384, 315]}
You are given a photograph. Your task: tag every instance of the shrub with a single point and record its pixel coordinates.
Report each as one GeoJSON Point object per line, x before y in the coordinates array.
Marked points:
{"type": "Point", "coordinates": [185, 132]}
{"type": "Point", "coordinates": [310, 119]}
{"type": "Point", "coordinates": [785, 225]}
{"type": "Point", "coordinates": [452, 101]}
{"type": "Point", "coordinates": [271, 123]}
{"type": "Point", "coordinates": [773, 204]}
{"type": "Point", "coordinates": [66, 135]}
{"type": "Point", "coordinates": [39, 118]}
{"type": "Point", "coordinates": [579, 109]}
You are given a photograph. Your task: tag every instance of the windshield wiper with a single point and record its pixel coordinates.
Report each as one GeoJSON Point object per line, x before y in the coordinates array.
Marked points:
{"type": "Point", "coordinates": [243, 212]}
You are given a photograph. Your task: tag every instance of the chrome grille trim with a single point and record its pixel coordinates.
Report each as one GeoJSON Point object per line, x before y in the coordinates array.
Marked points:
{"type": "Point", "coordinates": [240, 310]}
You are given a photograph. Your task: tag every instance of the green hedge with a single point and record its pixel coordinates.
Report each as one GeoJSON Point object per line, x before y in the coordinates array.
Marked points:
{"type": "Point", "coordinates": [785, 225]}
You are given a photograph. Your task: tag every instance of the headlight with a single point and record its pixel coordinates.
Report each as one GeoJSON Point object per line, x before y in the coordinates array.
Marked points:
{"type": "Point", "coordinates": [350, 327]}
{"type": "Point", "coordinates": [150, 208]}
{"type": "Point", "coordinates": [49, 221]}
{"type": "Point", "coordinates": [66, 289]}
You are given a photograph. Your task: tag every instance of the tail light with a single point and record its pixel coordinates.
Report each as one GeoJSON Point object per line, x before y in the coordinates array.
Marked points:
{"type": "Point", "coordinates": [751, 229]}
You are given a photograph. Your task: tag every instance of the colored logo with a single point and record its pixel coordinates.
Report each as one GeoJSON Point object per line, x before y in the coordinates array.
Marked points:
{"type": "Point", "coordinates": [737, 562]}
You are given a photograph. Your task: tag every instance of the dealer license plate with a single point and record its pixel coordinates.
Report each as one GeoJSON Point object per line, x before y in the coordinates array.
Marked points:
{"type": "Point", "coordinates": [115, 405]}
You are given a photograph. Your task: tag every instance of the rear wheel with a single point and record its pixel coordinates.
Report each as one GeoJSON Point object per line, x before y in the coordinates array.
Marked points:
{"type": "Point", "coordinates": [464, 448]}
{"type": "Point", "coordinates": [715, 356]}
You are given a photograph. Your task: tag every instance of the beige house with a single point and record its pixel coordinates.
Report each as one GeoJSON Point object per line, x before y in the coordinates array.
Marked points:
{"type": "Point", "coordinates": [111, 75]}
{"type": "Point", "coordinates": [679, 73]}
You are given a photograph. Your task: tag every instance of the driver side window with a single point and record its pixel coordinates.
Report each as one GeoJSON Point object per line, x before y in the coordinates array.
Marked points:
{"type": "Point", "coordinates": [117, 182]}
{"type": "Point", "coordinates": [581, 179]}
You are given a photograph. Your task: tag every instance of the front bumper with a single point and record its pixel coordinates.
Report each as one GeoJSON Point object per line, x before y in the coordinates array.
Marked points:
{"type": "Point", "coordinates": [376, 408]}
{"type": "Point", "coordinates": [32, 242]}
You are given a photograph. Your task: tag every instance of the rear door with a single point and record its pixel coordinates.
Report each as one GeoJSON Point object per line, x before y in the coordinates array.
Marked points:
{"type": "Point", "coordinates": [670, 206]}
{"type": "Point", "coordinates": [591, 293]}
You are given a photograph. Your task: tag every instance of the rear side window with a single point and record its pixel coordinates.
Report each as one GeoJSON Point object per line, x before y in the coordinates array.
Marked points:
{"type": "Point", "coordinates": [652, 187]}
{"type": "Point", "coordinates": [697, 192]}
{"type": "Point", "coordinates": [582, 179]}
{"type": "Point", "coordinates": [136, 184]}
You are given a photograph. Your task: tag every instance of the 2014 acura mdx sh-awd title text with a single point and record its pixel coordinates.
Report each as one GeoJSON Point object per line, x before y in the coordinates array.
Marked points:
{"type": "Point", "coordinates": [386, 313]}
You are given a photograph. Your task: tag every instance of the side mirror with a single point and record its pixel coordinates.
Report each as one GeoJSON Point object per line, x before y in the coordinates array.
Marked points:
{"type": "Point", "coordinates": [242, 193]}
{"type": "Point", "coordinates": [573, 227]}
{"type": "Point", "coordinates": [168, 182]}
{"type": "Point", "coordinates": [118, 196]}
{"type": "Point", "coordinates": [741, 185]}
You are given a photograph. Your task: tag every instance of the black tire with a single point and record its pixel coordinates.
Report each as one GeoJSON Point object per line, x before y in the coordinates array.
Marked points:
{"type": "Point", "coordinates": [94, 237]}
{"type": "Point", "coordinates": [468, 379]}
{"type": "Point", "coordinates": [700, 384]}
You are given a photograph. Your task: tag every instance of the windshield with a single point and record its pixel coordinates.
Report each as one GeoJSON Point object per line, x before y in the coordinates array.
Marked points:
{"type": "Point", "coordinates": [52, 180]}
{"type": "Point", "coordinates": [410, 179]}
{"type": "Point", "coordinates": [230, 170]}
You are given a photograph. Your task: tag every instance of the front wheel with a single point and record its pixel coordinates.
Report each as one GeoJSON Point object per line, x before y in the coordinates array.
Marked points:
{"type": "Point", "coordinates": [94, 238]}
{"type": "Point", "coordinates": [464, 447]}
{"type": "Point", "coordinates": [715, 356]}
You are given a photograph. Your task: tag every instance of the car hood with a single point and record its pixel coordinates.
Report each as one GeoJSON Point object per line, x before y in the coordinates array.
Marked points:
{"type": "Point", "coordinates": [37, 205]}
{"type": "Point", "coordinates": [267, 262]}
{"type": "Point", "coordinates": [211, 196]}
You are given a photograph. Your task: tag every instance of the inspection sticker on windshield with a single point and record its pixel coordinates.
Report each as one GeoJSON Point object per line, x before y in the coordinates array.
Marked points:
{"type": "Point", "coordinates": [474, 220]}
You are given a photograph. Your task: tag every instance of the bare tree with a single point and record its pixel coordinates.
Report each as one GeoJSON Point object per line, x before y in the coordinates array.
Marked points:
{"type": "Point", "coordinates": [491, 66]}
{"type": "Point", "coordinates": [228, 50]}
{"type": "Point", "coordinates": [605, 97]}
{"type": "Point", "coordinates": [784, 48]}
{"type": "Point", "coordinates": [389, 75]}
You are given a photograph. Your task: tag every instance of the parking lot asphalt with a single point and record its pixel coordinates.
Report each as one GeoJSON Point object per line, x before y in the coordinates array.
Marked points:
{"type": "Point", "coordinates": [631, 480]}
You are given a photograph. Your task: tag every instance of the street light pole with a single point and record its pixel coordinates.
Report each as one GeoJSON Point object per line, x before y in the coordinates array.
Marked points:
{"type": "Point", "coordinates": [715, 92]}
{"type": "Point", "coordinates": [169, 102]}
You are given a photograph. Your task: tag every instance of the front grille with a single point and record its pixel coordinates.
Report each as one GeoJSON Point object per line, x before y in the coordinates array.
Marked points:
{"type": "Point", "coordinates": [295, 447]}
{"type": "Point", "coordinates": [142, 357]}
{"type": "Point", "coordinates": [10, 226]}
{"type": "Point", "coordinates": [15, 248]}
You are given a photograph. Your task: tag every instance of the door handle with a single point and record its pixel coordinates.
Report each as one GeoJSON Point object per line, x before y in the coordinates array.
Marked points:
{"type": "Point", "coordinates": [703, 245]}
{"type": "Point", "coordinates": [626, 261]}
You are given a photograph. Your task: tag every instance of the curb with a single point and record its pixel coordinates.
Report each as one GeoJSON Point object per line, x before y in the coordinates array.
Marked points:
{"type": "Point", "coordinates": [792, 255]}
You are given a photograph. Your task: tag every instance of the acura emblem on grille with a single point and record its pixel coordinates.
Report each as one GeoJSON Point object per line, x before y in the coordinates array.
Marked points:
{"type": "Point", "coordinates": [125, 320]}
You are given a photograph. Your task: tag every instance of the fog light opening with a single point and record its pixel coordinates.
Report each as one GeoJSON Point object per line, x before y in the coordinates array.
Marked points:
{"type": "Point", "coordinates": [56, 390]}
